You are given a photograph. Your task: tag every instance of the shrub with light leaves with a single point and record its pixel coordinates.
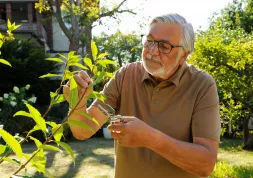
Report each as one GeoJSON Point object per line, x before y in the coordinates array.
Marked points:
{"type": "Point", "coordinates": [12, 102]}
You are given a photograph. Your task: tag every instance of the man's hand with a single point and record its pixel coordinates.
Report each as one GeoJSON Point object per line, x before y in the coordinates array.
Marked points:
{"type": "Point", "coordinates": [83, 80]}
{"type": "Point", "coordinates": [133, 133]}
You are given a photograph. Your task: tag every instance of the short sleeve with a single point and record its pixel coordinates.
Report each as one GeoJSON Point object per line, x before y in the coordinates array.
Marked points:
{"type": "Point", "coordinates": [206, 117]}
{"type": "Point", "coordinates": [112, 90]}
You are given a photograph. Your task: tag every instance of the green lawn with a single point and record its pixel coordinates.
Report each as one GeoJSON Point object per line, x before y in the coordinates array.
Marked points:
{"type": "Point", "coordinates": [95, 159]}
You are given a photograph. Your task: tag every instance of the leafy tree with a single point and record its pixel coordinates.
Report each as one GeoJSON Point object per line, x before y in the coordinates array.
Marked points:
{"type": "Point", "coordinates": [227, 56]}
{"type": "Point", "coordinates": [81, 16]}
{"type": "Point", "coordinates": [121, 47]}
{"type": "Point", "coordinates": [239, 13]}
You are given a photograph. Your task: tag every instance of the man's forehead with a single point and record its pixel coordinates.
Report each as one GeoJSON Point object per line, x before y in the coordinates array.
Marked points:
{"type": "Point", "coordinates": [166, 31]}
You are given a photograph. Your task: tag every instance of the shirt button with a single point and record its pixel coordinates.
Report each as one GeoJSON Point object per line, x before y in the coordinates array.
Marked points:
{"type": "Point", "coordinates": [157, 89]}
{"type": "Point", "coordinates": [155, 101]}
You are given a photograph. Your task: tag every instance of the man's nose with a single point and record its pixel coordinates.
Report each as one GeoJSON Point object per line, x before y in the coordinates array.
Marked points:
{"type": "Point", "coordinates": [154, 49]}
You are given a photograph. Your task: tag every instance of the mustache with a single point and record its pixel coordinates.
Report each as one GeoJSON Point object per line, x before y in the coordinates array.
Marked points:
{"type": "Point", "coordinates": [152, 58]}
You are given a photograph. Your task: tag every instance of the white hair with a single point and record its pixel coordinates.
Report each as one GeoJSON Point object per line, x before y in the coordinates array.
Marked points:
{"type": "Point", "coordinates": [187, 39]}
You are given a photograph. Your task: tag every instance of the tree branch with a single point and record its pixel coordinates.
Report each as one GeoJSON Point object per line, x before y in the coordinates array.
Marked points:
{"type": "Point", "coordinates": [115, 10]}
{"type": "Point", "coordinates": [60, 21]}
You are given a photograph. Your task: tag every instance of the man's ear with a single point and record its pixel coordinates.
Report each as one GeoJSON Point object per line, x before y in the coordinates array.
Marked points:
{"type": "Point", "coordinates": [184, 57]}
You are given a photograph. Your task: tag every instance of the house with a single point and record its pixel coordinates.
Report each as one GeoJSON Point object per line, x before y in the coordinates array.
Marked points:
{"type": "Point", "coordinates": [42, 27]}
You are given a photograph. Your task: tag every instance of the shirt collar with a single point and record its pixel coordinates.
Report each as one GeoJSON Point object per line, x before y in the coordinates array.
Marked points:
{"type": "Point", "coordinates": [175, 78]}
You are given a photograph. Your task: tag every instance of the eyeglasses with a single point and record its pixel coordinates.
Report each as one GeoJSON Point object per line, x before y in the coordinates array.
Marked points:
{"type": "Point", "coordinates": [163, 46]}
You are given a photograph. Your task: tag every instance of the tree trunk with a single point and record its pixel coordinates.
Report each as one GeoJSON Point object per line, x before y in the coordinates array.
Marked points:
{"type": "Point", "coordinates": [249, 144]}
{"type": "Point", "coordinates": [120, 60]}
{"type": "Point", "coordinates": [88, 33]}
{"type": "Point", "coordinates": [245, 130]}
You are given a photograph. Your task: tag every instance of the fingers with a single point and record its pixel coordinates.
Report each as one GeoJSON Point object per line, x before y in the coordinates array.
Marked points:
{"type": "Point", "coordinates": [129, 118]}
{"type": "Point", "coordinates": [117, 135]}
{"type": "Point", "coordinates": [84, 76]}
{"type": "Point", "coordinates": [116, 127]}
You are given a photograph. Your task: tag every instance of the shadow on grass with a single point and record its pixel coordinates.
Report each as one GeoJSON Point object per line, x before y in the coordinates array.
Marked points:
{"type": "Point", "coordinates": [231, 144]}
{"type": "Point", "coordinates": [83, 150]}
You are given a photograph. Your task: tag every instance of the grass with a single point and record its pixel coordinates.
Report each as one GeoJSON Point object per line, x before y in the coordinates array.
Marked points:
{"type": "Point", "coordinates": [95, 159]}
{"type": "Point", "coordinates": [233, 161]}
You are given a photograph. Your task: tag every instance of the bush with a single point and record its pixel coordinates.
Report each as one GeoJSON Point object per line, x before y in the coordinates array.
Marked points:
{"type": "Point", "coordinates": [28, 64]}
{"type": "Point", "coordinates": [10, 104]}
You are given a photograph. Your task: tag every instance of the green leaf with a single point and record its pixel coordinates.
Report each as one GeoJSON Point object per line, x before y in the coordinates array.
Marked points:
{"type": "Point", "coordinates": [67, 75]}
{"type": "Point", "coordinates": [55, 60]}
{"type": "Point", "coordinates": [94, 50]}
{"type": "Point", "coordinates": [80, 124]}
{"type": "Point", "coordinates": [52, 124]}
{"type": "Point", "coordinates": [80, 66]}
{"type": "Point", "coordinates": [40, 167]}
{"type": "Point", "coordinates": [68, 149]}
{"type": "Point", "coordinates": [37, 142]}
{"type": "Point", "coordinates": [98, 79]}
{"type": "Point", "coordinates": [39, 158]}
{"type": "Point", "coordinates": [48, 174]}
{"type": "Point", "coordinates": [2, 149]}
{"type": "Point", "coordinates": [61, 55]}
{"type": "Point", "coordinates": [16, 26]}
{"type": "Point", "coordinates": [97, 95]}
{"type": "Point", "coordinates": [50, 75]}
{"type": "Point", "coordinates": [1, 43]}
{"type": "Point", "coordinates": [49, 147]}
{"type": "Point", "coordinates": [54, 100]}
{"type": "Point", "coordinates": [35, 128]}
{"type": "Point", "coordinates": [27, 156]}
{"type": "Point", "coordinates": [12, 142]}
{"type": "Point", "coordinates": [105, 62]}
{"type": "Point", "coordinates": [108, 74]}
{"type": "Point", "coordinates": [71, 54]}
{"type": "Point", "coordinates": [90, 117]}
{"type": "Point", "coordinates": [13, 161]}
{"type": "Point", "coordinates": [102, 55]}
{"type": "Point", "coordinates": [9, 24]}
{"type": "Point", "coordinates": [88, 62]}
{"type": "Point", "coordinates": [5, 62]}
{"type": "Point", "coordinates": [37, 117]}
{"type": "Point", "coordinates": [22, 113]}
{"type": "Point", "coordinates": [73, 96]}
{"type": "Point", "coordinates": [58, 135]}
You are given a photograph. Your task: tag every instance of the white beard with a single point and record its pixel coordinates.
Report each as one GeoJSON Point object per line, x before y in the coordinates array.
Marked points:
{"type": "Point", "coordinates": [163, 71]}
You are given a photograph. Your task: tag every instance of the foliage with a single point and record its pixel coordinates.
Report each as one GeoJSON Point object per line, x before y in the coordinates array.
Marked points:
{"type": "Point", "coordinates": [223, 169]}
{"type": "Point", "coordinates": [3, 38]}
{"type": "Point", "coordinates": [123, 48]}
{"type": "Point", "coordinates": [80, 17]}
{"type": "Point", "coordinates": [28, 63]}
{"type": "Point", "coordinates": [239, 13]}
{"type": "Point", "coordinates": [11, 103]}
{"type": "Point", "coordinates": [55, 133]}
{"type": "Point", "coordinates": [227, 56]}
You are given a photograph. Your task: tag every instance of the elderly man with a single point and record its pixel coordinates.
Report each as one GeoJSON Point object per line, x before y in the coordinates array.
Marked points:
{"type": "Point", "coordinates": [170, 108]}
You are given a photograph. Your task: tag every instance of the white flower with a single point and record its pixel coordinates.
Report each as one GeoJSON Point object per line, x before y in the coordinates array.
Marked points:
{"type": "Point", "coordinates": [32, 99]}
{"type": "Point", "coordinates": [6, 95]}
{"type": "Point", "coordinates": [13, 103]}
{"type": "Point", "coordinates": [27, 87]}
{"type": "Point", "coordinates": [0, 109]}
{"type": "Point", "coordinates": [24, 101]}
{"type": "Point", "coordinates": [13, 98]}
{"type": "Point", "coordinates": [1, 99]}
{"type": "Point", "coordinates": [16, 89]}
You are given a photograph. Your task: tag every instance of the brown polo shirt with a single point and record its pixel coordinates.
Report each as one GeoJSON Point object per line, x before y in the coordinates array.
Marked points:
{"type": "Point", "coordinates": [184, 106]}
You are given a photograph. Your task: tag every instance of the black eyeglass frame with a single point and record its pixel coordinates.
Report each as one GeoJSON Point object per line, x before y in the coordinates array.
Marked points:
{"type": "Point", "coordinates": [155, 41]}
